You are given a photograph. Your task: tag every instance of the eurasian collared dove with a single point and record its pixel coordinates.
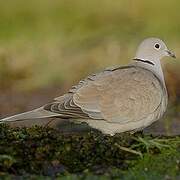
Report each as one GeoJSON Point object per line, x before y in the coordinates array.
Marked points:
{"type": "Point", "coordinates": [127, 98]}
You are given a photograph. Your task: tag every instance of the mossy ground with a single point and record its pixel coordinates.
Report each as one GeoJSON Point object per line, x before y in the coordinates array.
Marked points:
{"type": "Point", "coordinates": [39, 153]}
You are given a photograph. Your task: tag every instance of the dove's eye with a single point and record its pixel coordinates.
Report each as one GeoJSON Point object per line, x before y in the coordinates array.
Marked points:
{"type": "Point", "coordinates": [157, 46]}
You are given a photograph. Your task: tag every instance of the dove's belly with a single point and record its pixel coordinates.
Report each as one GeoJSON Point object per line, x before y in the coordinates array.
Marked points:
{"type": "Point", "coordinates": [113, 128]}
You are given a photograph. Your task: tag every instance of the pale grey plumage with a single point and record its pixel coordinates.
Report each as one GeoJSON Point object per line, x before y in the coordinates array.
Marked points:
{"type": "Point", "coordinates": [117, 99]}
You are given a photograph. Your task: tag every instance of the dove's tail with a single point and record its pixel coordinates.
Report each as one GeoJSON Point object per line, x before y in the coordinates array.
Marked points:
{"type": "Point", "coordinates": [34, 114]}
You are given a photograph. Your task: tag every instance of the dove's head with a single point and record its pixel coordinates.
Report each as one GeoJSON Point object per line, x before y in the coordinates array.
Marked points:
{"type": "Point", "coordinates": [153, 49]}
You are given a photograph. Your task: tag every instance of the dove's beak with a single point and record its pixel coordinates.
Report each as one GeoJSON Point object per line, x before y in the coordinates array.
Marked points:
{"type": "Point", "coordinates": [170, 53]}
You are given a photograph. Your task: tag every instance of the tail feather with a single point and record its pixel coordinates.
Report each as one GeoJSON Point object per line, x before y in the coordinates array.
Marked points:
{"type": "Point", "coordinates": [34, 114]}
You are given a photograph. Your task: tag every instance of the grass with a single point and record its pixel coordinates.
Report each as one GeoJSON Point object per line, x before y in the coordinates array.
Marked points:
{"type": "Point", "coordinates": [45, 153]}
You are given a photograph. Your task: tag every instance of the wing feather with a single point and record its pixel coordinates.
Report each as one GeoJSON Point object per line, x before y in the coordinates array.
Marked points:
{"type": "Point", "coordinates": [118, 95]}
{"type": "Point", "coordinates": [121, 95]}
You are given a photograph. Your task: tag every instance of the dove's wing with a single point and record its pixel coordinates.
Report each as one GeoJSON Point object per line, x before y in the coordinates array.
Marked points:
{"type": "Point", "coordinates": [65, 107]}
{"type": "Point", "coordinates": [120, 95]}
{"type": "Point", "coordinates": [116, 95]}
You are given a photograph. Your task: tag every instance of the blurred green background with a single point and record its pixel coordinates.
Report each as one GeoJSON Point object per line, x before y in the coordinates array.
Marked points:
{"type": "Point", "coordinates": [48, 45]}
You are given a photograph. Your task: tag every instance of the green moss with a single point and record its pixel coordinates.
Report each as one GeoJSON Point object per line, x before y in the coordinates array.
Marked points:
{"type": "Point", "coordinates": [46, 152]}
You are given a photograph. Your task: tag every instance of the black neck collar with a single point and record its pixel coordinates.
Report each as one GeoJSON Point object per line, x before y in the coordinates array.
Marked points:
{"type": "Point", "coordinates": [144, 61]}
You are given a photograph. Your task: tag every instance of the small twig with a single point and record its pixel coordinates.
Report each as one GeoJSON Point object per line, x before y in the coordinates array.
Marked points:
{"type": "Point", "coordinates": [48, 123]}
{"type": "Point", "coordinates": [129, 150]}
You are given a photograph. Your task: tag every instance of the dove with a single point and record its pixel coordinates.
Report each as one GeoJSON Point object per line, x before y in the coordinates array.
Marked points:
{"type": "Point", "coordinates": [120, 99]}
